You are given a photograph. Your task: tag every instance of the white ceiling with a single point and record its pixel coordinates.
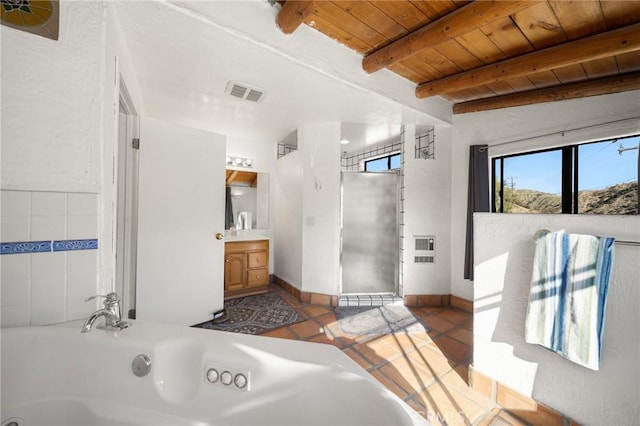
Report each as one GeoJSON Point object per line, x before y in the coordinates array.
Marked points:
{"type": "Point", "coordinates": [184, 53]}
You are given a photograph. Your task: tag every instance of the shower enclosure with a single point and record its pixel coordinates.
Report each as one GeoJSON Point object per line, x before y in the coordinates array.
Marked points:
{"type": "Point", "coordinates": [370, 247]}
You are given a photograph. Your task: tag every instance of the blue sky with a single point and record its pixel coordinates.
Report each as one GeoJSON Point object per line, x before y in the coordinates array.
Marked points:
{"type": "Point", "coordinates": [600, 166]}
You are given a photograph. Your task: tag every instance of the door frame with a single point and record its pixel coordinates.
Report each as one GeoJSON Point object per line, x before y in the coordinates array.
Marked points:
{"type": "Point", "coordinates": [126, 203]}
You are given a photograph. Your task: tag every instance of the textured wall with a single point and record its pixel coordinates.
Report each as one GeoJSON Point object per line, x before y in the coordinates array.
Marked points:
{"type": "Point", "coordinates": [427, 206]}
{"type": "Point", "coordinates": [52, 101]}
{"type": "Point", "coordinates": [534, 127]}
{"type": "Point", "coordinates": [504, 259]}
{"type": "Point", "coordinates": [320, 149]}
{"type": "Point", "coordinates": [287, 219]}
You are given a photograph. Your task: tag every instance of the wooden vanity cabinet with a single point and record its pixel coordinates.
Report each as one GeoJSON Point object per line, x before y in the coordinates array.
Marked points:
{"type": "Point", "coordinates": [246, 268]}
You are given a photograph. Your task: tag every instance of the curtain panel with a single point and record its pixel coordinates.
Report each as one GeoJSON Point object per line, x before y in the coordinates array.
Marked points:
{"type": "Point", "coordinates": [478, 198]}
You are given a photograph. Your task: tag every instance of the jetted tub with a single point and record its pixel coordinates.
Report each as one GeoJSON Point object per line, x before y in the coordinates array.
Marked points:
{"type": "Point", "coordinates": [55, 375]}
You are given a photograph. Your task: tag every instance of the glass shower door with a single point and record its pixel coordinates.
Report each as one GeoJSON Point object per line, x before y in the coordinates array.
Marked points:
{"type": "Point", "coordinates": [369, 255]}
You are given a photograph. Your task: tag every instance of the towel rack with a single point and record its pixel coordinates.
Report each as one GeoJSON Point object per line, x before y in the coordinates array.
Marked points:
{"type": "Point", "coordinates": [628, 243]}
{"type": "Point", "coordinates": [541, 232]}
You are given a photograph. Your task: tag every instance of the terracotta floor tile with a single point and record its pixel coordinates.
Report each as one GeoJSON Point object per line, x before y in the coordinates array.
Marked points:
{"type": "Point", "coordinates": [326, 318]}
{"type": "Point", "coordinates": [334, 329]}
{"type": "Point", "coordinates": [368, 353]}
{"type": "Point", "coordinates": [316, 310]}
{"type": "Point", "coordinates": [422, 410]}
{"type": "Point", "coordinates": [450, 406]}
{"type": "Point", "coordinates": [431, 360]}
{"type": "Point", "coordinates": [389, 384]}
{"type": "Point", "coordinates": [454, 316]}
{"type": "Point", "coordinates": [431, 310]}
{"type": "Point", "coordinates": [362, 362]}
{"type": "Point", "coordinates": [306, 329]}
{"type": "Point", "coordinates": [456, 379]}
{"type": "Point", "coordinates": [463, 335]}
{"type": "Point", "coordinates": [488, 419]}
{"type": "Point", "coordinates": [438, 324]}
{"type": "Point", "coordinates": [453, 349]}
{"type": "Point", "coordinates": [406, 375]}
{"type": "Point", "coordinates": [468, 324]}
{"type": "Point", "coordinates": [463, 372]}
{"type": "Point", "coordinates": [421, 314]}
{"type": "Point", "coordinates": [427, 370]}
{"type": "Point", "coordinates": [407, 342]}
{"type": "Point", "coordinates": [378, 350]}
{"type": "Point", "coordinates": [500, 417]}
{"type": "Point", "coordinates": [327, 340]}
{"type": "Point", "coordinates": [283, 333]}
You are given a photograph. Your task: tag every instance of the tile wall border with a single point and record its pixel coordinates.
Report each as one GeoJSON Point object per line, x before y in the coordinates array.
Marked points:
{"type": "Point", "coordinates": [48, 246]}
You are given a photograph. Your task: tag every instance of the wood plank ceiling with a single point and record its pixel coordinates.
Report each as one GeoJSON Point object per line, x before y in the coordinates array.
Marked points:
{"type": "Point", "coordinates": [242, 178]}
{"type": "Point", "coordinates": [484, 55]}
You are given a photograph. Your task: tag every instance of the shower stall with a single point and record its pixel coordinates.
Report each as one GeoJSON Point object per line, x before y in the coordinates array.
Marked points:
{"type": "Point", "coordinates": [370, 238]}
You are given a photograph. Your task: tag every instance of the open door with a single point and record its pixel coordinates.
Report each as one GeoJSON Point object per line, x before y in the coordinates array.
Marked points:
{"type": "Point", "coordinates": [181, 209]}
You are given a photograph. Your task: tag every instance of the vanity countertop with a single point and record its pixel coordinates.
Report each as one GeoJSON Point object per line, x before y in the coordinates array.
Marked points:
{"type": "Point", "coordinates": [243, 235]}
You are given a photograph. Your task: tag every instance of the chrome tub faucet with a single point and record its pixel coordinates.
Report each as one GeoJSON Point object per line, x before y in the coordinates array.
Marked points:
{"type": "Point", "coordinates": [110, 312]}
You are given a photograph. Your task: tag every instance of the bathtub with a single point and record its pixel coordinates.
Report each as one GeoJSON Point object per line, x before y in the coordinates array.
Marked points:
{"type": "Point", "coordinates": [55, 375]}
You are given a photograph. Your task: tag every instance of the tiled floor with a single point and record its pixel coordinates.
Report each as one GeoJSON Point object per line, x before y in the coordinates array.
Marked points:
{"type": "Point", "coordinates": [427, 370]}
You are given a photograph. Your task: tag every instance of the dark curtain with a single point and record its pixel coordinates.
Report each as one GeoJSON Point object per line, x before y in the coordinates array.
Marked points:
{"type": "Point", "coordinates": [228, 211]}
{"type": "Point", "coordinates": [478, 198]}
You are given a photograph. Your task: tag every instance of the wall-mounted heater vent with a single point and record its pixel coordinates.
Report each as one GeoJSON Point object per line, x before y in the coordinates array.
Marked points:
{"type": "Point", "coordinates": [244, 91]}
{"type": "Point", "coordinates": [424, 249]}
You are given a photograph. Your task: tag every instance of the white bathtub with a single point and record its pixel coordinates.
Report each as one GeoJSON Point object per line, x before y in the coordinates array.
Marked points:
{"type": "Point", "coordinates": [57, 376]}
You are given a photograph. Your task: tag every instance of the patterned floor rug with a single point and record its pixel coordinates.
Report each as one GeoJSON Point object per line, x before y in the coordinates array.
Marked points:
{"type": "Point", "coordinates": [255, 315]}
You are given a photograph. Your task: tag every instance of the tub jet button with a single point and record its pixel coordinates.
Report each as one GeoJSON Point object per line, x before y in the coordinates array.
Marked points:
{"type": "Point", "coordinates": [213, 375]}
{"type": "Point", "coordinates": [240, 381]}
{"type": "Point", "coordinates": [226, 378]}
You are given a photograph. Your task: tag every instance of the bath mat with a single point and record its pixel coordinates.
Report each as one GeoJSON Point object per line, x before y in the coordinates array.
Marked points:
{"type": "Point", "coordinates": [369, 322]}
{"type": "Point", "coordinates": [255, 315]}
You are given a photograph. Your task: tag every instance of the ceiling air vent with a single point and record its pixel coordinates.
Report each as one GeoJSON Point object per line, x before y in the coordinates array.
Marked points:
{"type": "Point", "coordinates": [244, 91]}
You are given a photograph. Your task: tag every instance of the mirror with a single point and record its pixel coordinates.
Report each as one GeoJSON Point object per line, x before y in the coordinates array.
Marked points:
{"type": "Point", "coordinates": [247, 200]}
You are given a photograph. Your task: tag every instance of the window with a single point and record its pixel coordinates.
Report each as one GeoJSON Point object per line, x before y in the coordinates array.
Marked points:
{"type": "Point", "coordinates": [381, 164]}
{"type": "Point", "coordinates": [591, 178]}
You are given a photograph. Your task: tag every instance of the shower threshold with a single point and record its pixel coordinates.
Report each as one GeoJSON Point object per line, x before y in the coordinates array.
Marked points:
{"type": "Point", "coordinates": [370, 300]}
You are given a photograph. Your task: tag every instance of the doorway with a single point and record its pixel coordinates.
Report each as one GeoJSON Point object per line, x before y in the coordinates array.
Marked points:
{"type": "Point", "coordinates": [126, 211]}
{"type": "Point", "coordinates": [370, 242]}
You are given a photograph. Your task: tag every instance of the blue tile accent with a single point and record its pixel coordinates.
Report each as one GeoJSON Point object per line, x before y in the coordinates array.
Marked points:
{"type": "Point", "coordinates": [67, 245]}
{"type": "Point", "coordinates": [26, 247]}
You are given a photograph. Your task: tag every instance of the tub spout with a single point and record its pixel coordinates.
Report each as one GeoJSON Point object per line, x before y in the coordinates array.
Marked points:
{"type": "Point", "coordinates": [110, 312]}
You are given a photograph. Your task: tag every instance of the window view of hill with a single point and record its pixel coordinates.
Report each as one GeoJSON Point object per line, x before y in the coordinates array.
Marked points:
{"type": "Point", "coordinates": [616, 199]}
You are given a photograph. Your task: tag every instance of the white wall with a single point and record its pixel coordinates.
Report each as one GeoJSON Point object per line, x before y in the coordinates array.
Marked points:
{"type": "Point", "coordinates": [504, 260]}
{"type": "Point", "coordinates": [427, 193]}
{"type": "Point", "coordinates": [319, 145]}
{"type": "Point", "coordinates": [59, 103]}
{"type": "Point", "coordinates": [287, 218]}
{"type": "Point", "coordinates": [527, 122]}
{"type": "Point", "coordinates": [52, 104]}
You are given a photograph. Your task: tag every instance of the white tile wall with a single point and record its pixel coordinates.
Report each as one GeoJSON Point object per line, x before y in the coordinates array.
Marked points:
{"type": "Point", "coordinates": [46, 288]}
{"type": "Point", "coordinates": [48, 203]}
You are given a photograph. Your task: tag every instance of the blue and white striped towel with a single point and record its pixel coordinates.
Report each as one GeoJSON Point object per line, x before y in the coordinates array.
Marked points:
{"type": "Point", "coordinates": [568, 295]}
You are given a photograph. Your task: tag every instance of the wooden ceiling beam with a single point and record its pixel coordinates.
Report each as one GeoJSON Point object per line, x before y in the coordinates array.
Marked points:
{"type": "Point", "coordinates": [603, 86]}
{"type": "Point", "coordinates": [293, 13]}
{"type": "Point", "coordinates": [459, 22]}
{"type": "Point", "coordinates": [603, 45]}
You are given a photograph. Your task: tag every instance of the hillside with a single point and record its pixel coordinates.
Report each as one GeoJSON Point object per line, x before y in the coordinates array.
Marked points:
{"type": "Point", "coordinates": [617, 199]}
